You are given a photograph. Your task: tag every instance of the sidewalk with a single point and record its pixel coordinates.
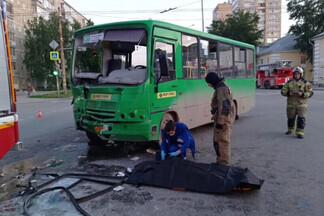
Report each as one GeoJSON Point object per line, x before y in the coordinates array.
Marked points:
{"type": "Point", "coordinates": [21, 93]}
{"type": "Point", "coordinates": [22, 96]}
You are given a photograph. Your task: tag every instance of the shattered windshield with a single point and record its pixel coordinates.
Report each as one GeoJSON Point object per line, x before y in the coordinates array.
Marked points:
{"type": "Point", "coordinates": [110, 57]}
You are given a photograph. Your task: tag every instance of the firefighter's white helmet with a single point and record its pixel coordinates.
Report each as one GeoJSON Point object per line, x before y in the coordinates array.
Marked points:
{"type": "Point", "coordinates": [299, 69]}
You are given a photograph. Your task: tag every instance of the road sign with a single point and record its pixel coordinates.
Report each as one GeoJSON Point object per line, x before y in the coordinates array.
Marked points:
{"type": "Point", "coordinates": [53, 44]}
{"type": "Point", "coordinates": [54, 55]}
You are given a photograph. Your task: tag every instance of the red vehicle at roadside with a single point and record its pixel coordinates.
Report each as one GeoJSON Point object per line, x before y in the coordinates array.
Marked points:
{"type": "Point", "coordinates": [274, 75]}
{"type": "Point", "coordinates": [9, 135]}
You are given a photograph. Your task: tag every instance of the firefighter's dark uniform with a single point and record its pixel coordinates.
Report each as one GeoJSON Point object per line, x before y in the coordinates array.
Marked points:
{"type": "Point", "coordinates": [297, 104]}
{"type": "Point", "coordinates": [222, 109]}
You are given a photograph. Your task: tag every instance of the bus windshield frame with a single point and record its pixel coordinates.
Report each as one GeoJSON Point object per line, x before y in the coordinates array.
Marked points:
{"type": "Point", "coordinates": [113, 56]}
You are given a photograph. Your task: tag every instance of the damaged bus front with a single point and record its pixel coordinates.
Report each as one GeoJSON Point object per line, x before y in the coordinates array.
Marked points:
{"type": "Point", "coordinates": [110, 83]}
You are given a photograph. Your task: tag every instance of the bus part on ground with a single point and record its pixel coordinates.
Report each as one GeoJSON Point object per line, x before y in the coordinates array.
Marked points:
{"type": "Point", "coordinates": [274, 75]}
{"type": "Point", "coordinates": [9, 135]}
{"type": "Point", "coordinates": [129, 78]}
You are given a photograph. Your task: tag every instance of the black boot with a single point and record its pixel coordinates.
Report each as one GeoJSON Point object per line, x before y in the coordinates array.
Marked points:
{"type": "Point", "coordinates": [299, 136]}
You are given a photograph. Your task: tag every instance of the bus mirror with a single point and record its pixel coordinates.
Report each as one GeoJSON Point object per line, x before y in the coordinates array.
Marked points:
{"type": "Point", "coordinates": [163, 64]}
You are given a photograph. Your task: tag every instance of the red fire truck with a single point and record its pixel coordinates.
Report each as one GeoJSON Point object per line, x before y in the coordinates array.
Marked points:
{"type": "Point", "coordinates": [9, 135]}
{"type": "Point", "coordinates": [274, 75]}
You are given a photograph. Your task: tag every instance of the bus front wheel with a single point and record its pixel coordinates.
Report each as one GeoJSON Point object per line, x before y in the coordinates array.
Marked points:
{"type": "Point", "coordinates": [166, 117]}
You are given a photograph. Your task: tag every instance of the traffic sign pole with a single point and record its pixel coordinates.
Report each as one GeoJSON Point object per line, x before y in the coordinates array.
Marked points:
{"type": "Point", "coordinates": [58, 86]}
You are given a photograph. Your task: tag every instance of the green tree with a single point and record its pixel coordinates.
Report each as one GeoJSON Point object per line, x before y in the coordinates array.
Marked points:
{"type": "Point", "coordinates": [39, 33]}
{"type": "Point", "coordinates": [309, 17]}
{"type": "Point", "coordinates": [240, 25]}
{"type": "Point", "coordinates": [35, 59]}
{"type": "Point", "coordinates": [90, 22]}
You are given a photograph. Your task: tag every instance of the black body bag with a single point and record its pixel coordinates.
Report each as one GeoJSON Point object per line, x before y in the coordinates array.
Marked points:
{"type": "Point", "coordinates": [182, 174]}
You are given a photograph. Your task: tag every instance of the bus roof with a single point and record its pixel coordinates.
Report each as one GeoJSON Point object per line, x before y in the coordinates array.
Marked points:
{"type": "Point", "coordinates": [152, 23]}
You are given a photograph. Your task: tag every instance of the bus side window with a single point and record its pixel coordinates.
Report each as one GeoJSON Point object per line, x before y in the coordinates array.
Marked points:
{"type": "Point", "coordinates": [167, 52]}
{"type": "Point", "coordinates": [190, 65]}
{"type": "Point", "coordinates": [250, 65]}
{"type": "Point", "coordinates": [225, 59]}
{"type": "Point", "coordinates": [240, 62]}
{"type": "Point", "coordinates": [208, 57]}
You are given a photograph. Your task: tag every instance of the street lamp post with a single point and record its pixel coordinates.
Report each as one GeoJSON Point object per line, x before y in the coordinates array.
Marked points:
{"type": "Point", "coordinates": [62, 50]}
{"type": "Point", "coordinates": [202, 15]}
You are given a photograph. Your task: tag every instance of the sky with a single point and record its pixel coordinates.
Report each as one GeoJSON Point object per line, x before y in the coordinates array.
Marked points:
{"type": "Point", "coordinates": [187, 13]}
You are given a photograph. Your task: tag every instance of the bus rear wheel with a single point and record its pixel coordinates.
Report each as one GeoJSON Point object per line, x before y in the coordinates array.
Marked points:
{"type": "Point", "coordinates": [166, 117]}
{"type": "Point", "coordinates": [95, 140]}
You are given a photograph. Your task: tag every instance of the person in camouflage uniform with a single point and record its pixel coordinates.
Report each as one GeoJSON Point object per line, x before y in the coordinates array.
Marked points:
{"type": "Point", "coordinates": [222, 109]}
{"type": "Point", "coordinates": [297, 91]}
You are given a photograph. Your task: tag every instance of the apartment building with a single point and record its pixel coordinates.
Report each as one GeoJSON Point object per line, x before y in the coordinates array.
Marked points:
{"type": "Point", "coordinates": [222, 10]}
{"type": "Point", "coordinates": [269, 12]}
{"type": "Point", "coordinates": [18, 14]}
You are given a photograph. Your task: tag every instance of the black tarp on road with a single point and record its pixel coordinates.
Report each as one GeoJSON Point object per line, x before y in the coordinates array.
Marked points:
{"type": "Point", "coordinates": [188, 175]}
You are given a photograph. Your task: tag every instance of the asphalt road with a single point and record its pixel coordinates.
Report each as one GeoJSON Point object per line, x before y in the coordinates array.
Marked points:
{"type": "Point", "coordinates": [292, 168]}
{"type": "Point", "coordinates": [34, 131]}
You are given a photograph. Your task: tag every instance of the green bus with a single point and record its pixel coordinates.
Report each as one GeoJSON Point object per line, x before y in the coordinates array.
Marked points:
{"type": "Point", "coordinates": [129, 78]}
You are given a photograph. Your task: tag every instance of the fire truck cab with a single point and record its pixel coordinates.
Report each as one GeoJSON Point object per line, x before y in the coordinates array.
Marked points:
{"type": "Point", "coordinates": [274, 74]}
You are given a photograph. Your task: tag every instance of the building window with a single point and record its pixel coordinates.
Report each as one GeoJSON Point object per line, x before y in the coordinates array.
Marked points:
{"type": "Point", "coordinates": [12, 51]}
{"type": "Point", "coordinates": [11, 36]}
{"type": "Point", "coordinates": [13, 65]}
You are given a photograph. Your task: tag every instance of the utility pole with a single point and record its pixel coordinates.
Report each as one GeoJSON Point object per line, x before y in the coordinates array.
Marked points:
{"type": "Point", "coordinates": [202, 15]}
{"type": "Point", "coordinates": [62, 50]}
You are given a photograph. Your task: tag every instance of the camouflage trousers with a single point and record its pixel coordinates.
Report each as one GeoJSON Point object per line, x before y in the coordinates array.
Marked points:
{"type": "Point", "coordinates": [300, 114]}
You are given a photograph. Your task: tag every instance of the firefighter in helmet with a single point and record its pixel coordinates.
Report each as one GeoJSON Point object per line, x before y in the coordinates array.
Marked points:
{"type": "Point", "coordinates": [222, 110]}
{"type": "Point", "coordinates": [297, 91]}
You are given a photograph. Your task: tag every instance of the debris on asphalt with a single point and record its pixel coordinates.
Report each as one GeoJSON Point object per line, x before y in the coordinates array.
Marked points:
{"type": "Point", "coordinates": [135, 158]}
{"type": "Point", "coordinates": [56, 163]}
{"type": "Point", "coordinates": [151, 150]}
{"type": "Point", "coordinates": [118, 188]}
{"type": "Point", "coordinates": [120, 174]}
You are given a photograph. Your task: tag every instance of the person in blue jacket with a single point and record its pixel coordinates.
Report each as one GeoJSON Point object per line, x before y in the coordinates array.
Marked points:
{"type": "Point", "coordinates": [176, 138]}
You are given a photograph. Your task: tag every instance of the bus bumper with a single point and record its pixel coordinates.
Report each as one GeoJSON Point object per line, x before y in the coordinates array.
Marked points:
{"type": "Point", "coordinates": [120, 131]}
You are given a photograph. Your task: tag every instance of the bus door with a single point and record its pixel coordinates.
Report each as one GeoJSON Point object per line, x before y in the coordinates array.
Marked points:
{"type": "Point", "coordinates": [165, 82]}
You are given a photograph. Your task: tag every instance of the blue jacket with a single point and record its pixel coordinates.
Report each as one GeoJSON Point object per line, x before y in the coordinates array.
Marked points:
{"type": "Point", "coordinates": [182, 139]}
